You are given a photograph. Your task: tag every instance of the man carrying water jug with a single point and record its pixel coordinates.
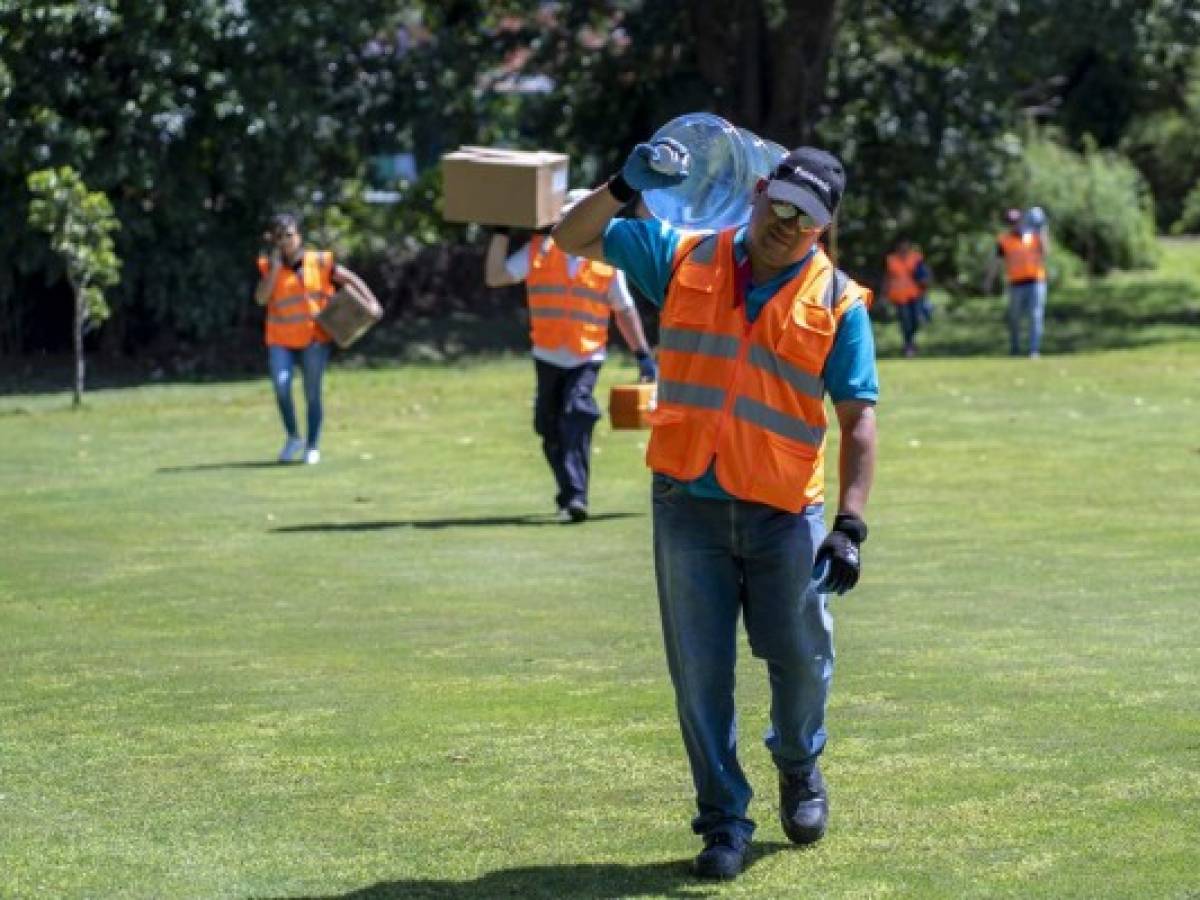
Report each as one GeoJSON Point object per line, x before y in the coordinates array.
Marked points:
{"type": "Point", "coordinates": [757, 327]}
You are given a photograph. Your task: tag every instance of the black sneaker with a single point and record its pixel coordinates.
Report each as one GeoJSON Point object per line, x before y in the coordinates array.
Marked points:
{"type": "Point", "coordinates": [723, 856]}
{"type": "Point", "coordinates": [803, 806]}
{"type": "Point", "coordinates": [577, 510]}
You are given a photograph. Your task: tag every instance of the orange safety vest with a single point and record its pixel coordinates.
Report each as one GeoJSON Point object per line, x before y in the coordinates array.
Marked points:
{"type": "Point", "coordinates": [750, 395]}
{"type": "Point", "coordinates": [564, 312]}
{"type": "Point", "coordinates": [1024, 257]}
{"type": "Point", "coordinates": [297, 300]}
{"type": "Point", "coordinates": [902, 286]}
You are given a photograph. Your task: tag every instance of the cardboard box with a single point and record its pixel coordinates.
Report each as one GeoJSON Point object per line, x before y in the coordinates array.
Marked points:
{"type": "Point", "coordinates": [515, 188]}
{"type": "Point", "coordinates": [348, 315]}
{"type": "Point", "coordinates": [630, 405]}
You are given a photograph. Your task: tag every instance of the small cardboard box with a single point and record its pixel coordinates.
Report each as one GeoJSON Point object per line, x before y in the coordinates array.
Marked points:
{"type": "Point", "coordinates": [492, 186]}
{"type": "Point", "coordinates": [348, 315]}
{"type": "Point", "coordinates": [630, 405]}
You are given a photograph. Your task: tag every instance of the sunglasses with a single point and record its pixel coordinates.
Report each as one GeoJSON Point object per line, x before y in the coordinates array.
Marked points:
{"type": "Point", "coordinates": [788, 211]}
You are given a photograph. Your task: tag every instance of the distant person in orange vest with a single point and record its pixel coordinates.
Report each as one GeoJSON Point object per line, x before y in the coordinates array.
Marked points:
{"type": "Point", "coordinates": [906, 286]}
{"type": "Point", "coordinates": [757, 327]}
{"type": "Point", "coordinates": [1023, 253]}
{"type": "Point", "coordinates": [294, 285]}
{"type": "Point", "coordinates": [570, 301]}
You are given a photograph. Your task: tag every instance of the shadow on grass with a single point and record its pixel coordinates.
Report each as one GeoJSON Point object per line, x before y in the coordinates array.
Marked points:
{"type": "Point", "coordinates": [237, 464]}
{"type": "Point", "coordinates": [586, 881]}
{"type": "Point", "coordinates": [465, 522]}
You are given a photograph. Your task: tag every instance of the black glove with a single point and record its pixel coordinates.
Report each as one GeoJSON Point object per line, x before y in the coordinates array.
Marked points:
{"type": "Point", "coordinates": [838, 554]}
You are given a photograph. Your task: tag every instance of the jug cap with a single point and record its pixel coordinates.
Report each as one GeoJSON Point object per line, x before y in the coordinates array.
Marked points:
{"type": "Point", "coordinates": [810, 179]}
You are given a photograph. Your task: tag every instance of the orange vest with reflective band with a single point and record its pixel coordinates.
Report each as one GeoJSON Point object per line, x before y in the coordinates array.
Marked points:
{"type": "Point", "coordinates": [564, 312]}
{"type": "Point", "coordinates": [902, 287]}
{"type": "Point", "coordinates": [750, 395]}
{"type": "Point", "coordinates": [297, 299]}
{"type": "Point", "coordinates": [1024, 259]}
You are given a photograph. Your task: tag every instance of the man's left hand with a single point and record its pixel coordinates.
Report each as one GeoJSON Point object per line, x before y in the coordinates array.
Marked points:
{"type": "Point", "coordinates": [647, 368]}
{"type": "Point", "coordinates": [839, 554]}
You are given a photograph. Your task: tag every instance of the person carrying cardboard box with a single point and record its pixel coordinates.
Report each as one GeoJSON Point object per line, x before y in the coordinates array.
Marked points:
{"type": "Point", "coordinates": [295, 284]}
{"type": "Point", "coordinates": [570, 301]}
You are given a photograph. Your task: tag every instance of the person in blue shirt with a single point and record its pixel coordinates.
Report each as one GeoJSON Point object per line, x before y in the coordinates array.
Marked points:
{"type": "Point", "coordinates": [720, 550]}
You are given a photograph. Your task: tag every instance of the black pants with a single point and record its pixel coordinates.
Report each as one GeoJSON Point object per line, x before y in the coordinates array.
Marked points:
{"type": "Point", "coordinates": [565, 412]}
{"type": "Point", "coordinates": [909, 316]}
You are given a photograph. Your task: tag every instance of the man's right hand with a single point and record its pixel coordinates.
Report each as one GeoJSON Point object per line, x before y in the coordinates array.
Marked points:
{"type": "Point", "coordinates": [659, 164]}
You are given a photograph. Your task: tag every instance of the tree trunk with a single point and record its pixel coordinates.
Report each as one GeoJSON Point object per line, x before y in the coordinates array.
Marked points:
{"type": "Point", "coordinates": [77, 340]}
{"type": "Point", "coordinates": [767, 71]}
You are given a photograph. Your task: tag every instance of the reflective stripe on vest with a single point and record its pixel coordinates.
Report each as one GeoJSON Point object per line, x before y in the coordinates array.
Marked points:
{"type": "Point", "coordinates": [696, 395]}
{"type": "Point", "coordinates": [902, 285]}
{"type": "Point", "coordinates": [567, 312]}
{"type": "Point", "coordinates": [297, 299]}
{"type": "Point", "coordinates": [780, 423]}
{"type": "Point", "coordinates": [1023, 257]}
{"type": "Point", "coordinates": [574, 314]}
{"type": "Point", "coordinates": [746, 398]}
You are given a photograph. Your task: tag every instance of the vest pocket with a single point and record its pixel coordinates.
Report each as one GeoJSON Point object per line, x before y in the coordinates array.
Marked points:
{"type": "Point", "coordinates": [807, 337]}
{"type": "Point", "coordinates": [784, 470]}
{"type": "Point", "coordinates": [693, 300]}
{"type": "Point", "coordinates": [668, 441]}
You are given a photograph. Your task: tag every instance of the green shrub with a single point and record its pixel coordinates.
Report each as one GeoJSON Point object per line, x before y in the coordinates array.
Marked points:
{"type": "Point", "coordinates": [1098, 204]}
{"type": "Point", "coordinates": [1189, 217]}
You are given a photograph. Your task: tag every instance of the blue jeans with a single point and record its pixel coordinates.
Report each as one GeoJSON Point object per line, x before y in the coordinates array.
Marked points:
{"type": "Point", "coordinates": [715, 560]}
{"type": "Point", "coordinates": [1028, 299]}
{"type": "Point", "coordinates": [312, 359]}
{"type": "Point", "coordinates": [565, 412]}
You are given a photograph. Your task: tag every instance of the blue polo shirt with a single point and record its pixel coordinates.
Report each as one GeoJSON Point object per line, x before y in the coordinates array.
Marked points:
{"type": "Point", "coordinates": [645, 250]}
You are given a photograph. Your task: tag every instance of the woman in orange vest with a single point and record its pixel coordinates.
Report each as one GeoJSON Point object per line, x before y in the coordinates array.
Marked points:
{"type": "Point", "coordinates": [294, 285]}
{"type": "Point", "coordinates": [569, 300]}
{"type": "Point", "coordinates": [906, 281]}
{"type": "Point", "coordinates": [757, 327]}
{"type": "Point", "coordinates": [1023, 253]}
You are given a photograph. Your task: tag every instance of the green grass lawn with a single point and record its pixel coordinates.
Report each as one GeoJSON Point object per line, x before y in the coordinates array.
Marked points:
{"type": "Point", "coordinates": [391, 676]}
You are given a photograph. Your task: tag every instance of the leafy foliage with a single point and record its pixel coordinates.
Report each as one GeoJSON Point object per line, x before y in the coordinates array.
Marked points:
{"type": "Point", "coordinates": [80, 225]}
{"type": "Point", "coordinates": [1165, 145]}
{"type": "Point", "coordinates": [199, 119]}
{"type": "Point", "coordinates": [1098, 203]}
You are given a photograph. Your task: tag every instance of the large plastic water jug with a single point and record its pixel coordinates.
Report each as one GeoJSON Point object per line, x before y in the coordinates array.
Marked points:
{"type": "Point", "coordinates": [725, 163]}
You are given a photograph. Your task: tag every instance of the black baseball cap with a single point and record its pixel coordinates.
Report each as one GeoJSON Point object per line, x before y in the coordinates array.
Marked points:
{"type": "Point", "coordinates": [811, 180]}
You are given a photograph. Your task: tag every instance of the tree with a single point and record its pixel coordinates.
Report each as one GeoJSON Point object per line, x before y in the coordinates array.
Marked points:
{"type": "Point", "coordinates": [766, 62]}
{"type": "Point", "coordinates": [198, 119]}
{"type": "Point", "coordinates": [80, 224]}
